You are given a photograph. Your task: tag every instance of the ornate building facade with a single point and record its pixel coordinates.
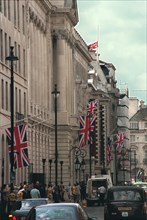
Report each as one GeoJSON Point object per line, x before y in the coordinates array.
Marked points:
{"type": "Point", "coordinates": [51, 52]}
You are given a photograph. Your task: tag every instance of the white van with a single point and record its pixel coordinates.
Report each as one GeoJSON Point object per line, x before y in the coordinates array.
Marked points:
{"type": "Point", "coordinates": [92, 187]}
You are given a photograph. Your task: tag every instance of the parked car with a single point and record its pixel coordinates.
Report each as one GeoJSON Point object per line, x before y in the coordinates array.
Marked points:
{"type": "Point", "coordinates": [59, 211]}
{"type": "Point", "coordinates": [141, 184]}
{"type": "Point", "coordinates": [125, 202]}
{"type": "Point", "coordinates": [21, 208]}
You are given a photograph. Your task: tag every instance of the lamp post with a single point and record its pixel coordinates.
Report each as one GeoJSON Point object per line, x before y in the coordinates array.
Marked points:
{"type": "Point", "coordinates": [77, 167]}
{"type": "Point", "coordinates": [43, 162]}
{"type": "Point", "coordinates": [56, 93]}
{"type": "Point", "coordinates": [61, 163]}
{"type": "Point", "coordinates": [83, 166]}
{"type": "Point", "coordinates": [89, 116]}
{"type": "Point", "coordinates": [135, 163]}
{"type": "Point", "coordinates": [12, 58]}
{"type": "Point", "coordinates": [50, 163]}
{"type": "Point", "coordinates": [2, 171]}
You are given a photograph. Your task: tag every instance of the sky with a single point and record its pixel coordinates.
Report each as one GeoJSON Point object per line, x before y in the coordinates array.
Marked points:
{"type": "Point", "coordinates": [120, 26]}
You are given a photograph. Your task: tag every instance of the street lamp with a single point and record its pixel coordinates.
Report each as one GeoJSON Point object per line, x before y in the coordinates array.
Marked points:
{"type": "Point", "coordinates": [50, 163]}
{"type": "Point", "coordinates": [135, 163]}
{"type": "Point", "coordinates": [56, 94]}
{"type": "Point", "coordinates": [77, 166]}
{"type": "Point", "coordinates": [89, 116]}
{"type": "Point", "coordinates": [61, 163]}
{"type": "Point", "coordinates": [83, 166]}
{"type": "Point", "coordinates": [43, 162]}
{"type": "Point", "coordinates": [12, 58]}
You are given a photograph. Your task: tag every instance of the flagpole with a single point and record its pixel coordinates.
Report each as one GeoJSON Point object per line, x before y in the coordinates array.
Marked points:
{"type": "Point", "coordinates": [98, 44]}
{"type": "Point", "coordinates": [89, 116]}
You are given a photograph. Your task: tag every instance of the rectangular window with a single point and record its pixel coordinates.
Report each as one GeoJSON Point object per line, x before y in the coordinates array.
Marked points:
{"type": "Point", "coordinates": [145, 125]}
{"type": "Point", "coordinates": [18, 16]}
{"type": "Point", "coordinates": [14, 12]}
{"type": "Point", "coordinates": [6, 96]}
{"type": "Point", "coordinates": [19, 63]}
{"type": "Point", "coordinates": [2, 93]}
{"type": "Point", "coordinates": [132, 138]}
{"type": "Point", "coordinates": [25, 108]}
{"type": "Point", "coordinates": [9, 11]}
{"type": "Point", "coordinates": [23, 19]}
{"type": "Point", "coordinates": [1, 6]}
{"type": "Point", "coordinates": [19, 100]}
{"type": "Point", "coordinates": [9, 42]}
{"type": "Point", "coordinates": [1, 45]}
{"type": "Point", "coordinates": [145, 137]}
{"type": "Point", "coordinates": [16, 100]}
{"type": "Point", "coordinates": [134, 125]}
{"type": "Point", "coordinates": [6, 48]}
{"type": "Point", "coordinates": [5, 8]}
{"type": "Point", "coordinates": [15, 54]}
{"type": "Point", "coordinates": [24, 63]}
{"type": "Point", "coordinates": [145, 154]}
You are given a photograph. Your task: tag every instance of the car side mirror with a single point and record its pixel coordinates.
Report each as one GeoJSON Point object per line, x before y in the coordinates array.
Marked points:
{"type": "Point", "coordinates": [93, 218]}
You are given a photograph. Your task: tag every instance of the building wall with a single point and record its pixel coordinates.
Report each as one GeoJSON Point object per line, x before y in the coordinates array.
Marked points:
{"type": "Point", "coordinates": [50, 52]}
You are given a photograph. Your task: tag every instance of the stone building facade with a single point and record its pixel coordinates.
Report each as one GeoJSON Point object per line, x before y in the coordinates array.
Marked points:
{"type": "Point", "coordinates": [138, 139]}
{"type": "Point", "coordinates": [51, 52]}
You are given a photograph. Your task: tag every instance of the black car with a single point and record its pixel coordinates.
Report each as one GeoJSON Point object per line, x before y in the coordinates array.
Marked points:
{"type": "Point", "coordinates": [59, 211]}
{"type": "Point", "coordinates": [125, 202]}
{"type": "Point", "coordinates": [21, 208]}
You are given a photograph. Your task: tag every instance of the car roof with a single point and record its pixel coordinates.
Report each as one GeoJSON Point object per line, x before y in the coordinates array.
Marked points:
{"type": "Point", "coordinates": [32, 199]}
{"type": "Point", "coordinates": [113, 188]}
{"type": "Point", "coordinates": [141, 183]}
{"type": "Point", "coordinates": [75, 205]}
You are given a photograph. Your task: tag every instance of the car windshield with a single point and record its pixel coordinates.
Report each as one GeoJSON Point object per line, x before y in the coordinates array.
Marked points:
{"type": "Point", "coordinates": [30, 203]}
{"type": "Point", "coordinates": [57, 212]}
{"type": "Point", "coordinates": [125, 195]}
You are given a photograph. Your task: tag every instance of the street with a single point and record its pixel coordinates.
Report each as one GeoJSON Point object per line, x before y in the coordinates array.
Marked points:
{"type": "Point", "coordinates": [96, 211]}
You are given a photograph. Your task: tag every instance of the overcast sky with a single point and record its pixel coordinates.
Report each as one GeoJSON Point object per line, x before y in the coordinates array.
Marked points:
{"type": "Point", "coordinates": [120, 26]}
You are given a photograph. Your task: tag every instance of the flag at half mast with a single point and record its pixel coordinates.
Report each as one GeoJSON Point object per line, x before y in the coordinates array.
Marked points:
{"type": "Point", "coordinates": [93, 45]}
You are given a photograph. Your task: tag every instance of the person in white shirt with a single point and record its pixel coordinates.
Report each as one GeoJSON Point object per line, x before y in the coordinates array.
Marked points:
{"type": "Point", "coordinates": [35, 193]}
{"type": "Point", "coordinates": [102, 192]}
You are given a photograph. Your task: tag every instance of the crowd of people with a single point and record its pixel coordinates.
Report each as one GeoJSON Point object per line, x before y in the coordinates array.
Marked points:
{"type": "Point", "coordinates": [10, 193]}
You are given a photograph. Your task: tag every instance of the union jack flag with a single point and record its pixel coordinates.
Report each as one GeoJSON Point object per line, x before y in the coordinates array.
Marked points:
{"type": "Point", "coordinates": [86, 126]}
{"type": "Point", "coordinates": [92, 106]}
{"type": "Point", "coordinates": [120, 140]}
{"type": "Point", "coordinates": [20, 145]}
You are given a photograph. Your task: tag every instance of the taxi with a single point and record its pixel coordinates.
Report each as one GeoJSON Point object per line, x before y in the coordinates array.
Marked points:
{"type": "Point", "coordinates": [125, 202]}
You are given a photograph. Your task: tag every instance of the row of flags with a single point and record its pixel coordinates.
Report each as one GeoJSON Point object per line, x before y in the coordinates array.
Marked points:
{"type": "Point", "coordinates": [87, 130]}
{"type": "Point", "coordinates": [118, 143]}
{"type": "Point", "coordinates": [86, 136]}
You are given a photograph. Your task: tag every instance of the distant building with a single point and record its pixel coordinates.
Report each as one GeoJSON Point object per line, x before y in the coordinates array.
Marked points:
{"type": "Point", "coordinates": [138, 140]}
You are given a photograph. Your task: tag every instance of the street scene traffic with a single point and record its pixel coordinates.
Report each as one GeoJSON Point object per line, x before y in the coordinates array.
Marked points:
{"type": "Point", "coordinates": [73, 110]}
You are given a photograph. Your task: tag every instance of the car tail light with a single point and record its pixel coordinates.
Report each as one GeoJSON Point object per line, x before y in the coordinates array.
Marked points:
{"type": "Point", "coordinates": [12, 217]}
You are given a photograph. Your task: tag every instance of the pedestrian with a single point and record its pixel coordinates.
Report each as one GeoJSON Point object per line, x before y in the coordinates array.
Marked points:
{"type": "Point", "coordinates": [102, 192]}
{"type": "Point", "coordinates": [69, 192]}
{"type": "Point", "coordinates": [56, 193]}
{"type": "Point", "coordinates": [5, 191]}
{"type": "Point", "coordinates": [50, 192]}
{"type": "Point", "coordinates": [62, 191]}
{"type": "Point", "coordinates": [35, 193]}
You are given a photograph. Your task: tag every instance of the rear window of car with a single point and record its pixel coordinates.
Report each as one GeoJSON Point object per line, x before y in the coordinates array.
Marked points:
{"type": "Point", "coordinates": [125, 195]}
{"type": "Point", "coordinates": [55, 213]}
{"type": "Point", "coordinates": [27, 204]}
